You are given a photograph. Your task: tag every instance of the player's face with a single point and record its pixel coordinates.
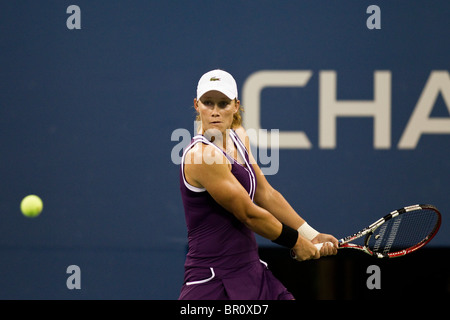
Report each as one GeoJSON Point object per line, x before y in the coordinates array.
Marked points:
{"type": "Point", "coordinates": [216, 110]}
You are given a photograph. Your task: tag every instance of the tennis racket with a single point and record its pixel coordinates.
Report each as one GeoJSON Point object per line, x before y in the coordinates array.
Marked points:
{"type": "Point", "coordinates": [398, 233]}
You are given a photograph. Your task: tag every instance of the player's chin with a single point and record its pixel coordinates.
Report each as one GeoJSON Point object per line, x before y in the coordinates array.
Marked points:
{"type": "Point", "coordinates": [219, 126]}
{"type": "Point", "coordinates": [215, 128]}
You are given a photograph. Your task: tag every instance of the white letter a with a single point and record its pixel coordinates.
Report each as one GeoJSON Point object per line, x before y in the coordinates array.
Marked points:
{"type": "Point", "coordinates": [374, 21]}
{"type": "Point", "coordinates": [73, 281]}
{"type": "Point", "coordinates": [74, 21]}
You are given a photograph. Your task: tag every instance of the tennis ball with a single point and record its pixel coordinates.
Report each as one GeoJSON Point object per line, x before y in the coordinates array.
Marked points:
{"type": "Point", "coordinates": [31, 206]}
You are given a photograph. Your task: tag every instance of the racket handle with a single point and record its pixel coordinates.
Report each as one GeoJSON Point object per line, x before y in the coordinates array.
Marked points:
{"type": "Point", "coordinates": [320, 245]}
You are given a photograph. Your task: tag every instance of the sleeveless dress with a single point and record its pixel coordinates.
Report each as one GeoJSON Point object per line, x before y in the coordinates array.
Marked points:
{"type": "Point", "coordinates": [222, 261]}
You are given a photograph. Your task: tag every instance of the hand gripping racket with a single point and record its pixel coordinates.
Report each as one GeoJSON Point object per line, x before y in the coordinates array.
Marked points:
{"type": "Point", "coordinates": [396, 234]}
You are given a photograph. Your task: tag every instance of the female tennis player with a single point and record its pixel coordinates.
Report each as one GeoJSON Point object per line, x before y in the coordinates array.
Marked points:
{"type": "Point", "coordinates": [226, 199]}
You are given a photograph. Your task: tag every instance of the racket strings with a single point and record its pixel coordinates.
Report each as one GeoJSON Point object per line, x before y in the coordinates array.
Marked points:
{"type": "Point", "coordinates": [403, 231]}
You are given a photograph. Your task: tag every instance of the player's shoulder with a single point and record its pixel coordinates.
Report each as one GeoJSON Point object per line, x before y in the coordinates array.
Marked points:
{"type": "Point", "coordinates": [243, 136]}
{"type": "Point", "coordinates": [240, 131]}
{"type": "Point", "coordinates": [204, 153]}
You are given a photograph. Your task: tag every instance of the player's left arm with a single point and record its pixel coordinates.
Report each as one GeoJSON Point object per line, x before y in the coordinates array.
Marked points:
{"type": "Point", "coordinates": [273, 201]}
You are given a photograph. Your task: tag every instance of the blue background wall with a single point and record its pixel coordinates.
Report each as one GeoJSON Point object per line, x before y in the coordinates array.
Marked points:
{"type": "Point", "coordinates": [87, 116]}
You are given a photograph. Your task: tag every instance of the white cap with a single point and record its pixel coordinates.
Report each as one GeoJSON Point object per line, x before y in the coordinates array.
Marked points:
{"type": "Point", "coordinates": [218, 80]}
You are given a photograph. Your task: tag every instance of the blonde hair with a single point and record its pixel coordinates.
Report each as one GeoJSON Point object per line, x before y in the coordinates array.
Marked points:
{"type": "Point", "coordinates": [237, 117]}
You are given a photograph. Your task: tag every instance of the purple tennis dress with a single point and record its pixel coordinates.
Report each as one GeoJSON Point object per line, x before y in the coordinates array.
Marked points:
{"type": "Point", "coordinates": [222, 262]}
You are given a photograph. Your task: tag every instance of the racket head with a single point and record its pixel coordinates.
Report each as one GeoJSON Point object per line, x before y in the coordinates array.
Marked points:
{"type": "Point", "coordinates": [403, 231]}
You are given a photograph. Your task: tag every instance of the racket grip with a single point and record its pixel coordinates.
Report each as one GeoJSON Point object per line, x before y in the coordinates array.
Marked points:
{"type": "Point", "coordinates": [318, 246]}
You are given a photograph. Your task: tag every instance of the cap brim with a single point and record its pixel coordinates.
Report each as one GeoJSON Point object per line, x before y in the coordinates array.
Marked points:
{"type": "Point", "coordinates": [229, 93]}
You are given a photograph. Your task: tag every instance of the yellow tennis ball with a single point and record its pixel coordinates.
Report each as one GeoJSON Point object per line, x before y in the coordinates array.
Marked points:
{"type": "Point", "coordinates": [31, 206]}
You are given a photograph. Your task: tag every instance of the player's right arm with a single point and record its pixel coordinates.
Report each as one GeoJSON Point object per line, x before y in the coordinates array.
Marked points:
{"type": "Point", "coordinates": [206, 167]}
